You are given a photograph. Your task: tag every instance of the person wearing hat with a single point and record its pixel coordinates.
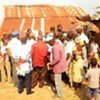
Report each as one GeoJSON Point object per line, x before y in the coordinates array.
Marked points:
{"type": "Point", "coordinates": [77, 65]}
{"type": "Point", "coordinates": [14, 47]}
{"type": "Point", "coordinates": [81, 34]}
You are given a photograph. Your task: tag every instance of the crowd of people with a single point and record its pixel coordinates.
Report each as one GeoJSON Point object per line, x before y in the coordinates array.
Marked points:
{"type": "Point", "coordinates": [68, 56]}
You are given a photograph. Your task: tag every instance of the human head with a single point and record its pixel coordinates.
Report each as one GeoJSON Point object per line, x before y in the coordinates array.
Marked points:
{"type": "Point", "coordinates": [24, 39]}
{"type": "Point", "coordinates": [10, 36]}
{"type": "Point", "coordinates": [5, 36]}
{"type": "Point", "coordinates": [40, 33]}
{"type": "Point", "coordinates": [93, 62]}
{"type": "Point", "coordinates": [52, 29]}
{"type": "Point", "coordinates": [5, 41]}
{"type": "Point", "coordinates": [29, 31]}
{"type": "Point", "coordinates": [15, 34]}
{"type": "Point", "coordinates": [59, 27]}
{"type": "Point", "coordinates": [32, 36]}
{"type": "Point", "coordinates": [50, 40]}
{"type": "Point", "coordinates": [85, 28]}
{"type": "Point", "coordinates": [40, 38]}
{"type": "Point", "coordinates": [70, 31]}
{"type": "Point", "coordinates": [63, 37]}
{"type": "Point", "coordinates": [57, 35]}
{"type": "Point", "coordinates": [70, 36]}
{"type": "Point", "coordinates": [79, 29]}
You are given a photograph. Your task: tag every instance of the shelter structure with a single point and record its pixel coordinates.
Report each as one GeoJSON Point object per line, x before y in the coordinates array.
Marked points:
{"type": "Point", "coordinates": [41, 17]}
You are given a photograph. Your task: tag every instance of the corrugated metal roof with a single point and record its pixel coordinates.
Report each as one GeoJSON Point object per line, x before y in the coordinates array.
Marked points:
{"type": "Point", "coordinates": [42, 11]}
{"type": "Point", "coordinates": [11, 12]}
{"type": "Point", "coordinates": [11, 24]}
{"type": "Point", "coordinates": [35, 23]}
{"type": "Point", "coordinates": [41, 16]}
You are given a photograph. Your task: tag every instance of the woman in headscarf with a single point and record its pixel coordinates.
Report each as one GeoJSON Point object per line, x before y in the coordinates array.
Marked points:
{"type": "Point", "coordinates": [77, 64]}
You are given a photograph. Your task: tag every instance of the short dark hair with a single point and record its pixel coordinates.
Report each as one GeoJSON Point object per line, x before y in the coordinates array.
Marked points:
{"type": "Point", "coordinates": [70, 36]}
{"type": "Point", "coordinates": [28, 30]}
{"type": "Point", "coordinates": [59, 25]}
{"type": "Point", "coordinates": [93, 62]}
{"type": "Point", "coordinates": [52, 28]}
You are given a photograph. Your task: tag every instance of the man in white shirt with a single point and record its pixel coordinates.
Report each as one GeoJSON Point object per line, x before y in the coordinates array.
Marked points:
{"type": "Point", "coordinates": [31, 40]}
{"type": "Point", "coordinates": [82, 35]}
{"type": "Point", "coordinates": [14, 47]}
{"type": "Point", "coordinates": [95, 49]}
{"type": "Point", "coordinates": [69, 48]}
{"type": "Point", "coordinates": [25, 67]}
{"type": "Point", "coordinates": [95, 46]}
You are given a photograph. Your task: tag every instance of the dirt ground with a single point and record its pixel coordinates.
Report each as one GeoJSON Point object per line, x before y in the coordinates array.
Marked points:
{"type": "Point", "coordinates": [8, 92]}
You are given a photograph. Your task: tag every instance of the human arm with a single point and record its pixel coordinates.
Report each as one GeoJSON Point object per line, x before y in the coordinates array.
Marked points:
{"type": "Point", "coordinates": [56, 56]}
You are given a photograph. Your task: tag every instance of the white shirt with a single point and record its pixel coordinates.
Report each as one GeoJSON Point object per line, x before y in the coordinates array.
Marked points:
{"type": "Point", "coordinates": [83, 37]}
{"type": "Point", "coordinates": [95, 47]}
{"type": "Point", "coordinates": [94, 75]}
{"type": "Point", "coordinates": [14, 46]}
{"type": "Point", "coordinates": [84, 51]}
{"type": "Point", "coordinates": [26, 55]}
{"type": "Point", "coordinates": [30, 43]}
{"type": "Point", "coordinates": [50, 34]}
{"type": "Point", "coordinates": [69, 47]}
{"type": "Point", "coordinates": [3, 51]}
{"type": "Point", "coordinates": [50, 50]}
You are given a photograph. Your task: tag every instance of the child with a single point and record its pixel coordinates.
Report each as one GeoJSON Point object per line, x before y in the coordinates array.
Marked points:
{"type": "Point", "coordinates": [92, 77]}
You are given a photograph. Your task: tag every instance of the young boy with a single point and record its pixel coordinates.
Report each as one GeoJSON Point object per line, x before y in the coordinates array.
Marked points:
{"type": "Point", "coordinates": [92, 77]}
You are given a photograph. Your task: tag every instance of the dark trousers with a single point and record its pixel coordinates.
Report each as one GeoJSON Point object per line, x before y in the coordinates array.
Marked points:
{"type": "Point", "coordinates": [77, 85]}
{"type": "Point", "coordinates": [65, 78]}
{"type": "Point", "coordinates": [24, 81]}
{"type": "Point", "coordinates": [50, 78]}
{"type": "Point", "coordinates": [38, 75]}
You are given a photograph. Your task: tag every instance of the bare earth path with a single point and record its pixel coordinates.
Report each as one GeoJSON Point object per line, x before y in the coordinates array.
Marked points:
{"type": "Point", "coordinates": [8, 92]}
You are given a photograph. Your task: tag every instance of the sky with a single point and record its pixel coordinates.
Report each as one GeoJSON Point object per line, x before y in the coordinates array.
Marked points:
{"type": "Point", "coordinates": [87, 5]}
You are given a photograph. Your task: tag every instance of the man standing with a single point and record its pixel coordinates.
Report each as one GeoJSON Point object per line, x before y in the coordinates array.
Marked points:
{"type": "Point", "coordinates": [5, 66]}
{"type": "Point", "coordinates": [39, 57]}
{"type": "Point", "coordinates": [14, 47]}
{"type": "Point", "coordinates": [29, 31]}
{"type": "Point", "coordinates": [82, 35]}
{"type": "Point", "coordinates": [87, 32]}
{"type": "Point", "coordinates": [24, 67]}
{"type": "Point", "coordinates": [58, 64]}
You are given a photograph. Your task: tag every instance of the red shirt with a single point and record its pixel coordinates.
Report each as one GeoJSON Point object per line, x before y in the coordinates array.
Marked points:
{"type": "Point", "coordinates": [39, 54]}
